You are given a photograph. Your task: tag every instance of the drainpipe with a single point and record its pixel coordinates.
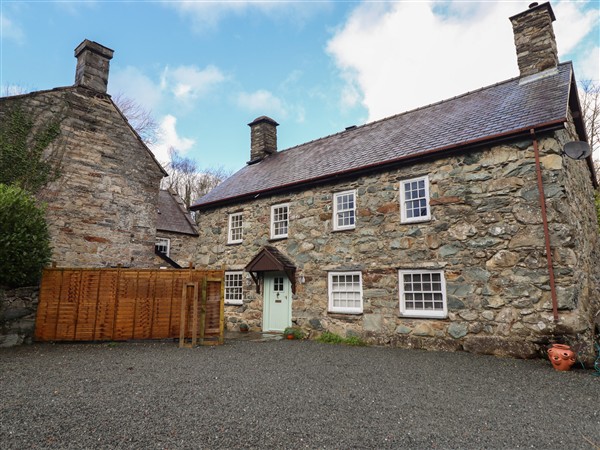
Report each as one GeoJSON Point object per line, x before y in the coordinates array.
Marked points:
{"type": "Point", "coordinates": [538, 169]}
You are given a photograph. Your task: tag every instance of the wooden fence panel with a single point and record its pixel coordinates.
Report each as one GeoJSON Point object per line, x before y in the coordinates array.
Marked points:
{"type": "Point", "coordinates": [67, 306]}
{"type": "Point", "coordinates": [174, 321]}
{"type": "Point", "coordinates": [213, 309]}
{"type": "Point", "coordinates": [107, 305]}
{"type": "Point", "coordinates": [142, 322]}
{"type": "Point", "coordinates": [87, 310]}
{"type": "Point", "coordinates": [47, 311]}
{"type": "Point", "coordinates": [125, 310]}
{"type": "Point", "coordinates": [163, 298]}
{"type": "Point", "coordinates": [122, 304]}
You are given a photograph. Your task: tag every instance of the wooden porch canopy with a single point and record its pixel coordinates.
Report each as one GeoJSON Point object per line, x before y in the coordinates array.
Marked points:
{"type": "Point", "coordinates": [269, 259]}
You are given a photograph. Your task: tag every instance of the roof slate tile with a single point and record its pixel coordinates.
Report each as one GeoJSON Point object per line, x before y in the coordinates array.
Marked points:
{"type": "Point", "coordinates": [172, 215]}
{"type": "Point", "coordinates": [510, 106]}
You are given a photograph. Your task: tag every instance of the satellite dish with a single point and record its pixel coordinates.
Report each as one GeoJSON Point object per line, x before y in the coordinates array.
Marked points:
{"type": "Point", "coordinates": [577, 150]}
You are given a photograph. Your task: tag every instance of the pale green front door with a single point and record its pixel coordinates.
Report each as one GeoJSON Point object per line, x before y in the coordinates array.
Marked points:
{"type": "Point", "coordinates": [277, 302]}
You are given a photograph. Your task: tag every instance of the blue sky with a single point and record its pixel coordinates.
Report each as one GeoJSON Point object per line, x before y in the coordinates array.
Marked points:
{"type": "Point", "coordinates": [207, 69]}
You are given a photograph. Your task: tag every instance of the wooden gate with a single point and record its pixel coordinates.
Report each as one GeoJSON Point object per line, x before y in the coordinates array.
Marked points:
{"type": "Point", "coordinates": [122, 304]}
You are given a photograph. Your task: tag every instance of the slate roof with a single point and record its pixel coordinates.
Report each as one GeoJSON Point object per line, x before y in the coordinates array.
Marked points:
{"type": "Point", "coordinates": [281, 261]}
{"type": "Point", "coordinates": [504, 109]}
{"type": "Point", "coordinates": [172, 214]}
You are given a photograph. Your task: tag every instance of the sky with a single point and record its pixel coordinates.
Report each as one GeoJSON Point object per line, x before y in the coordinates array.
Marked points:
{"type": "Point", "coordinates": [206, 69]}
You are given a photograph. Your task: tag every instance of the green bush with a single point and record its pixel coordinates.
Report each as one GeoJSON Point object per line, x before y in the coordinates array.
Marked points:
{"type": "Point", "coordinates": [22, 148]}
{"type": "Point", "coordinates": [24, 238]}
{"type": "Point", "coordinates": [294, 331]}
{"type": "Point", "coordinates": [332, 338]}
{"type": "Point", "coordinates": [355, 340]}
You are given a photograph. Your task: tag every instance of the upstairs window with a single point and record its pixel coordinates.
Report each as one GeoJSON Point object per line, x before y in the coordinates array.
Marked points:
{"type": "Point", "coordinates": [279, 221]}
{"type": "Point", "coordinates": [345, 292]}
{"type": "Point", "coordinates": [422, 293]}
{"type": "Point", "coordinates": [234, 288]}
{"type": "Point", "coordinates": [236, 233]}
{"type": "Point", "coordinates": [344, 210]}
{"type": "Point", "coordinates": [163, 245]}
{"type": "Point", "coordinates": [414, 200]}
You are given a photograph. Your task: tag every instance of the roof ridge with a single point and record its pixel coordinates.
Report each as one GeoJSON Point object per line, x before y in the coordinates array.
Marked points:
{"type": "Point", "coordinates": [181, 205]}
{"type": "Point", "coordinates": [42, 91]}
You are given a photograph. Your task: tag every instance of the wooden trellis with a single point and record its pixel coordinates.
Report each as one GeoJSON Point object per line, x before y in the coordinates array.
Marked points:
{"type": "Point", "coordinates": [123, 304]}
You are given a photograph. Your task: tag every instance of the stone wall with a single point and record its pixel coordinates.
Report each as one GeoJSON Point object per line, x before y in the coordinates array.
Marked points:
{"type": "Point", "coordinates": [534, 40]}
{"type": "Point", "coordinates": [486, 234]}
{"type": "Point", "coordinates": [102, 210]}
{"type": "Point", "coordinates": [581, 247]}
{"type": "Point", "coordinates": [17, 315]}
{"type": "Point", "coordinates": [182, 249]}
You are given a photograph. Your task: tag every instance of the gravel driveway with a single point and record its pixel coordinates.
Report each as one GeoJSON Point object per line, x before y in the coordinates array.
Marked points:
{"type": "Point", "coordinates": [288, 394]}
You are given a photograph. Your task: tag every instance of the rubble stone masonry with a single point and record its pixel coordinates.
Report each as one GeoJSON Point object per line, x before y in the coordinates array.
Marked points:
{"type": "Point", "coordinates": [102, 210]}
{"type": "Point", "coordinates": [485, 233]}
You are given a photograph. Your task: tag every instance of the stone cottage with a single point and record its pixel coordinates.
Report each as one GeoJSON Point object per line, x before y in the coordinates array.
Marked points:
{"type": "Point", "coordinates": [176, 232]}
{"type": "Point", "coordinates": [102, 209]}
{"type": "Point", "coordinates": [459, 225]}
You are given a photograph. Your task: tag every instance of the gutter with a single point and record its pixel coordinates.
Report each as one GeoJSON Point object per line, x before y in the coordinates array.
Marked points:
{"type": "Point", "coordinates": [538, 169]}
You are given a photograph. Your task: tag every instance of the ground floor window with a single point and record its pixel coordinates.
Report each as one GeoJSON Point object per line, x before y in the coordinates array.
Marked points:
{"type": "Point", "coordinates": [422, 293]}
{"type": "Point", "coordinates": [233, 288]}
{"type": "Point", "coordinates": [163, 245]}
{"type": "Point", "coordinates": [345, 292]}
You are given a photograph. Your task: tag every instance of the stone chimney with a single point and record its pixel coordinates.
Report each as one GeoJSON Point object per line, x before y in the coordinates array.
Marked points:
{"type": "Point", "coordinates": [93, 60]}
{"type": "Point", "coordinates": [263, 138]}
{"type": "Point", "coordinates": [534, 39]}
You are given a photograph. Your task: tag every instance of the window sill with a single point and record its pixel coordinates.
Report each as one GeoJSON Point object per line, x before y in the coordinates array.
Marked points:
{"type": "Point", "coordinates": [341, 230]}
{"type": "Point", "coordinates": [423, 316]}
{"type": "Point", "coordinates": [278, 238]}
{"type": "Point", "coordinates": [350, 317]}
{"type": "Point", "coordinates": [410, 222]}
{"type": "Point", "coordinates": [235, 243]}
{"type": "Point", "coordinates": [234, 304]}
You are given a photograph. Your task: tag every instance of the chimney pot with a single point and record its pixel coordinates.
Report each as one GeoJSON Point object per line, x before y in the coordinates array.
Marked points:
{"type": "Point", "coordinates": [534, 39]}
{"type": "Point", "coordinates": [263, 138]}
{"type": "Point", "coordinates": [93, 62]}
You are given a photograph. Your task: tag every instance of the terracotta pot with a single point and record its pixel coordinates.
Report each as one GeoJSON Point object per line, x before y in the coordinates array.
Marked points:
{"type": "Point", "coordinates": [561, 356]}
{"type": "Point", "coordinates": [290, 336]}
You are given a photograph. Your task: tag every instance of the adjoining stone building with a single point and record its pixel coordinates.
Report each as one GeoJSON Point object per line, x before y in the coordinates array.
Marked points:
{"type": "Point", "coordinates": [102, 209]}
{"type": "Point", "coordinates": [176, 232]}
{"type": "Point", "coordinates": [427, 229]}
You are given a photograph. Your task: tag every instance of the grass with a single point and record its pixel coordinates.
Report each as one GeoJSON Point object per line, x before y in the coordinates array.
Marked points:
{"type": "Point", "coordinates": [332, 338]}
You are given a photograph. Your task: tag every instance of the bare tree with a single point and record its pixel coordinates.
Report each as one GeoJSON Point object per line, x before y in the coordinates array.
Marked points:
{"type": "Point", "coordinates": [188, 180]}
{"type": "Point", "coordinates": [590, 104]}
{"type": "Point", "coordinates": [140, 118]}
{"type": "Point", "coordinates": [8, 90]}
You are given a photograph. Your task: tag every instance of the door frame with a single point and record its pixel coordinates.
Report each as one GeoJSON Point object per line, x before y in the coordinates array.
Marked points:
{"type": "Point", "coordinates": [268, 279]}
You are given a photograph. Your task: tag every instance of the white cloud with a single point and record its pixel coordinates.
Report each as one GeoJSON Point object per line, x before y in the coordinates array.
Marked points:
{"type": "Point", "coordinates": [572, 25]}
{"type": "Point", "coordinates": [134, 84]}
{"type": "Point", "coordinates": [405, 55]}
{"type": "Point", "coordinates": [10, 30]}
{"type": "Point", "coordinates": [184, 83]}
{"type": "Point", "coordinates": [589, 65]}
{"type": "Point", "coordinates": [263, 102]}
{"type": "Point", "coordinates": [190, 82]}
{"type": "Point", "coordinates": [168, 139]}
